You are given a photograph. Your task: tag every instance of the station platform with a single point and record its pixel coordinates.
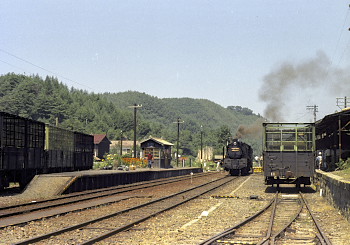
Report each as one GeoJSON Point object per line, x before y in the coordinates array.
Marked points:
{"type": "Point", "coordinates": [47, 185]}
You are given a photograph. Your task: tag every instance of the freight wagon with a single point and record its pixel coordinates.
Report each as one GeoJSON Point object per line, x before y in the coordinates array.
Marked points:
{"type": "Point", "coordinates": [289, 153]}
{"type": "Point", "coordinates": [29, 147]}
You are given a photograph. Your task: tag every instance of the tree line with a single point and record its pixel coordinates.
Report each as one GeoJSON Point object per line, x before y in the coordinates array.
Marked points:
{"type": "Point", "coordinates": [50, 101]}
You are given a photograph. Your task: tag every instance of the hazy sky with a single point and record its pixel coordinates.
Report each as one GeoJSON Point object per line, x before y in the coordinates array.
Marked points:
{"type": "Point", "coordinates": [224, 51]}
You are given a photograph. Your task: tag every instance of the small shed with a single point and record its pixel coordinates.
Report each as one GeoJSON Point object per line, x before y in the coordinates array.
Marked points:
{"type": "Point", "coordinates": [101, 145]}
{"type": "Point", "coordinates": [160, 149]}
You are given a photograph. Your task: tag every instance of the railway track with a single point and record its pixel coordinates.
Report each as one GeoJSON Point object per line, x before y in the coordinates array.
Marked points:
{"type": "Point", "coordinates": [287, 219]}
{"type": "Point", "coordinates": [102, 228]}
{"type": "Point", "coordinates": [26, 212]}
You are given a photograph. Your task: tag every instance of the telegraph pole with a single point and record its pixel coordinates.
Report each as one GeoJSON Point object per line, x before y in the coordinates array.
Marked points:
{"type": "Point", "coordinates": [121, 143]}
{"type": "Point", "coordinates": [135, 106]}
{"type": "Point", "coordinates": [313, 108]}
{"type": "Point", "coordinates": [342, 102]}
{"type": "Point", "coordinates": [178, 139]}
{"type": "Point", "coordinates": [201, 143]}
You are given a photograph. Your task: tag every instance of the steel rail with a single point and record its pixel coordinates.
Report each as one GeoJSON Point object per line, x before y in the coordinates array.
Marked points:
{"type": "Point", "coordinates": [273, 238]}
{"type": "Point", "coordinates": [85, 197]}
{"type": "Point", "coordinates": [126, 227]}
{"type": "Point", "coordinates": [78, 226]}
{"type": "Point", "coordinates": [321, 233]}
{"type": "Point", "coordinates": [90, 192]}
{"type": "Point", "coordinates": [232, 229]}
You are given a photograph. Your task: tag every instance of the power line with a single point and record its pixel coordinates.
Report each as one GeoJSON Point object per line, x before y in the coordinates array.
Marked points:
{"type": "Point", "coordinates": [17, 67]}
{"type": "Point", "coordinates": [337, 45]}
{"type": "Point", "coordinates": [42, 68]}
{"type": "Point", "coordinates": [340, 36]}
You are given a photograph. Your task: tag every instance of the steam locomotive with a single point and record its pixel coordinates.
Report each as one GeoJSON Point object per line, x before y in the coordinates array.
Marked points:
{"type": "Point", "coordinates": [29, 147]}
{"type": "Point", "coordinates": [238, 158]}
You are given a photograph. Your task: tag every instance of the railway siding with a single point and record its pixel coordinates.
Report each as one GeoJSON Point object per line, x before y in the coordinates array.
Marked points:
{"type": "Point", "coordinates": [194, 221]}
{"type": "Point", "coordinates": [335, 189]}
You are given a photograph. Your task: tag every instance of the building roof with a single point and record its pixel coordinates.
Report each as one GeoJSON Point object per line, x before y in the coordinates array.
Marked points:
{"type": "Point", "coordinates": [126, 143]}
{"type": "Point", "coordinates": [333, 119]}
{"type": "Point", "coordinates": [158, 140]}
{"type": "Point", "coordinates": [98, 138]}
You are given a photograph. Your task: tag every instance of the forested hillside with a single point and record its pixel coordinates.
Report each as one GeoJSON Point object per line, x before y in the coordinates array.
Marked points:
{"type": "Point", "coordinates": [50, 101]}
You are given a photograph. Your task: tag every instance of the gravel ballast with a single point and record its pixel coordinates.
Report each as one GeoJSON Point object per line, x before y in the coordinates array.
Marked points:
{"type": "Point", "coordinates": [190, 223]}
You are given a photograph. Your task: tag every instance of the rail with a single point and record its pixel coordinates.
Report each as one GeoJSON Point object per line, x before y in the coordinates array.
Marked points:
{"type": "Point", "coordinates": [8, 213]}
{"type": "Point", "coordinates": [131, 216]}
{"type": "Point", "coordinates": [283, 212]}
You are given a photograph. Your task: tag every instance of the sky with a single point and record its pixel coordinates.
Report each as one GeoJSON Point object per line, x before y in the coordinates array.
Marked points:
{"type": "Point", "coordinates": [274, 57]}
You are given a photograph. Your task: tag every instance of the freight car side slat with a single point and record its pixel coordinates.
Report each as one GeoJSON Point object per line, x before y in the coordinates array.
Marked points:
{"type": "Point", "coordinates": [289, 153]}
{"type": "Point", "coordinates": [28, 147]}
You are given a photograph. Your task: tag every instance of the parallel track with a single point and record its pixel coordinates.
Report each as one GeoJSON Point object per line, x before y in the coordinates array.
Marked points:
{"type": "Point", "coordinates": [23, 213]}
{"type": "Point", "coordinates": [285, 220]}
{"type": "Point", "coordinates": [104, 227]}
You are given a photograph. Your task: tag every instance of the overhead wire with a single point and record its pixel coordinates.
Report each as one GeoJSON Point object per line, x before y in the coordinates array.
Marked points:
{"type": "Point", "coordinates": [40, 67]}
{"type": "Point", "coordinates": [341, 34]}
{"type": "Point", "coordinates": [332, 61]}
{"type": "Point", "coordinates": [17, 67]}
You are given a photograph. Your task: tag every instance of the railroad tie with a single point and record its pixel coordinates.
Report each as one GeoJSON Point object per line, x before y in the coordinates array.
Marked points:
{"type": "Point", "coordinates": [229, 196]}
{"type": "Point", "coordinates": [235, 242]}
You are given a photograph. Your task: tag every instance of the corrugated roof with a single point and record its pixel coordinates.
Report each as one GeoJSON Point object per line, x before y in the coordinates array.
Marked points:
{"type": "Point", "coordinates": [333, 119]}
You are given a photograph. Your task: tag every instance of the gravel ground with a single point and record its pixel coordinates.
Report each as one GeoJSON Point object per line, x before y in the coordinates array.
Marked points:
{"type": "Point", "coordinates": [15, 233]}
{"type": "Point", "coordinates": [202, 218]}
{"type": "Point", "coordinates": [190, 223]}
{"type": "Point", "coordinates": [331, 221]}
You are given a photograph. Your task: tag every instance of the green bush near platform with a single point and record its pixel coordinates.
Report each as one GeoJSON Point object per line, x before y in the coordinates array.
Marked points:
{"type": "Point", "coordinates": [115, 161]}
{"type": "Point", "coordinates": [102, 165]}
{"type": "Point", "coordinates": [342, 165]}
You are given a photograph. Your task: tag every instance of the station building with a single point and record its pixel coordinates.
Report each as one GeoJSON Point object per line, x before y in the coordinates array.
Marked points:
{"type": "Point", "coordinates": [160, 149]}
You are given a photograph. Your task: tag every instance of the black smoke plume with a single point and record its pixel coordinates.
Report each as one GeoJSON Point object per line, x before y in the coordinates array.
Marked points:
{"type": "Point", "coordinates": [245, 130]}
{"type": "Point", "coordinates": [311, 74]}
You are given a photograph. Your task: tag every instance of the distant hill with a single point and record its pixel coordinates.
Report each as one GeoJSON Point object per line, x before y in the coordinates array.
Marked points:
{"type": "Point", "coordinates": [195, 113]}
{"type": "Point", "coordinates": [48, 99]}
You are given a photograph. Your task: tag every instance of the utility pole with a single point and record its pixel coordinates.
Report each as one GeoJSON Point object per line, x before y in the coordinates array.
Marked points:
{"type": "Point", "coordinates": [342, 102]}
{"type": "Point", "coordinates": [339, 138]}
{"type": "Point", "coordinates": [121, 143]}
{"type": "Point", "coordinates": [178, 139]}
{"type": "Point", "coordinates": [135, 106]}
{"type": "Point", "coordinates": [201, 143]}
{"type": "Point", "coordinates": [313, 108]}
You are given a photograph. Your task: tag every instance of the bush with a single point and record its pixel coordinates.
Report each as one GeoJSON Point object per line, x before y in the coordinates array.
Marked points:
{"type": "Point", "coordinates": [341, 165]}
{"type": "Point", "coordinates": [102, 165]}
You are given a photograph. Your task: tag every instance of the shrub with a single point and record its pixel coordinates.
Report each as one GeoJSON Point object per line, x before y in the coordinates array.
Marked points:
{"type": "Point", "coordinates": [341, 165]}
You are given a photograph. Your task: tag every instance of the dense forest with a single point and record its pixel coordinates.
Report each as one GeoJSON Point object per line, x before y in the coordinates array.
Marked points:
{"type": "Point", "coordinates": [50, 101]}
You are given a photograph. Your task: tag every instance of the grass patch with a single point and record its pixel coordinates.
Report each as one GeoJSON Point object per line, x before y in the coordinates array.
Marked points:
{"type": "Point", "coordinates": [343, 173]}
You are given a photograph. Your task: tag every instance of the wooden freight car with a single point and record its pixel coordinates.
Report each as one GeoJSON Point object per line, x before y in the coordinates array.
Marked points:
{"type": "Point", "coordinates": [21, 148]}
{"type": "Point", "coordinates": [29, 147]}
{"type": "Point", "coordinates": [289, 153]}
